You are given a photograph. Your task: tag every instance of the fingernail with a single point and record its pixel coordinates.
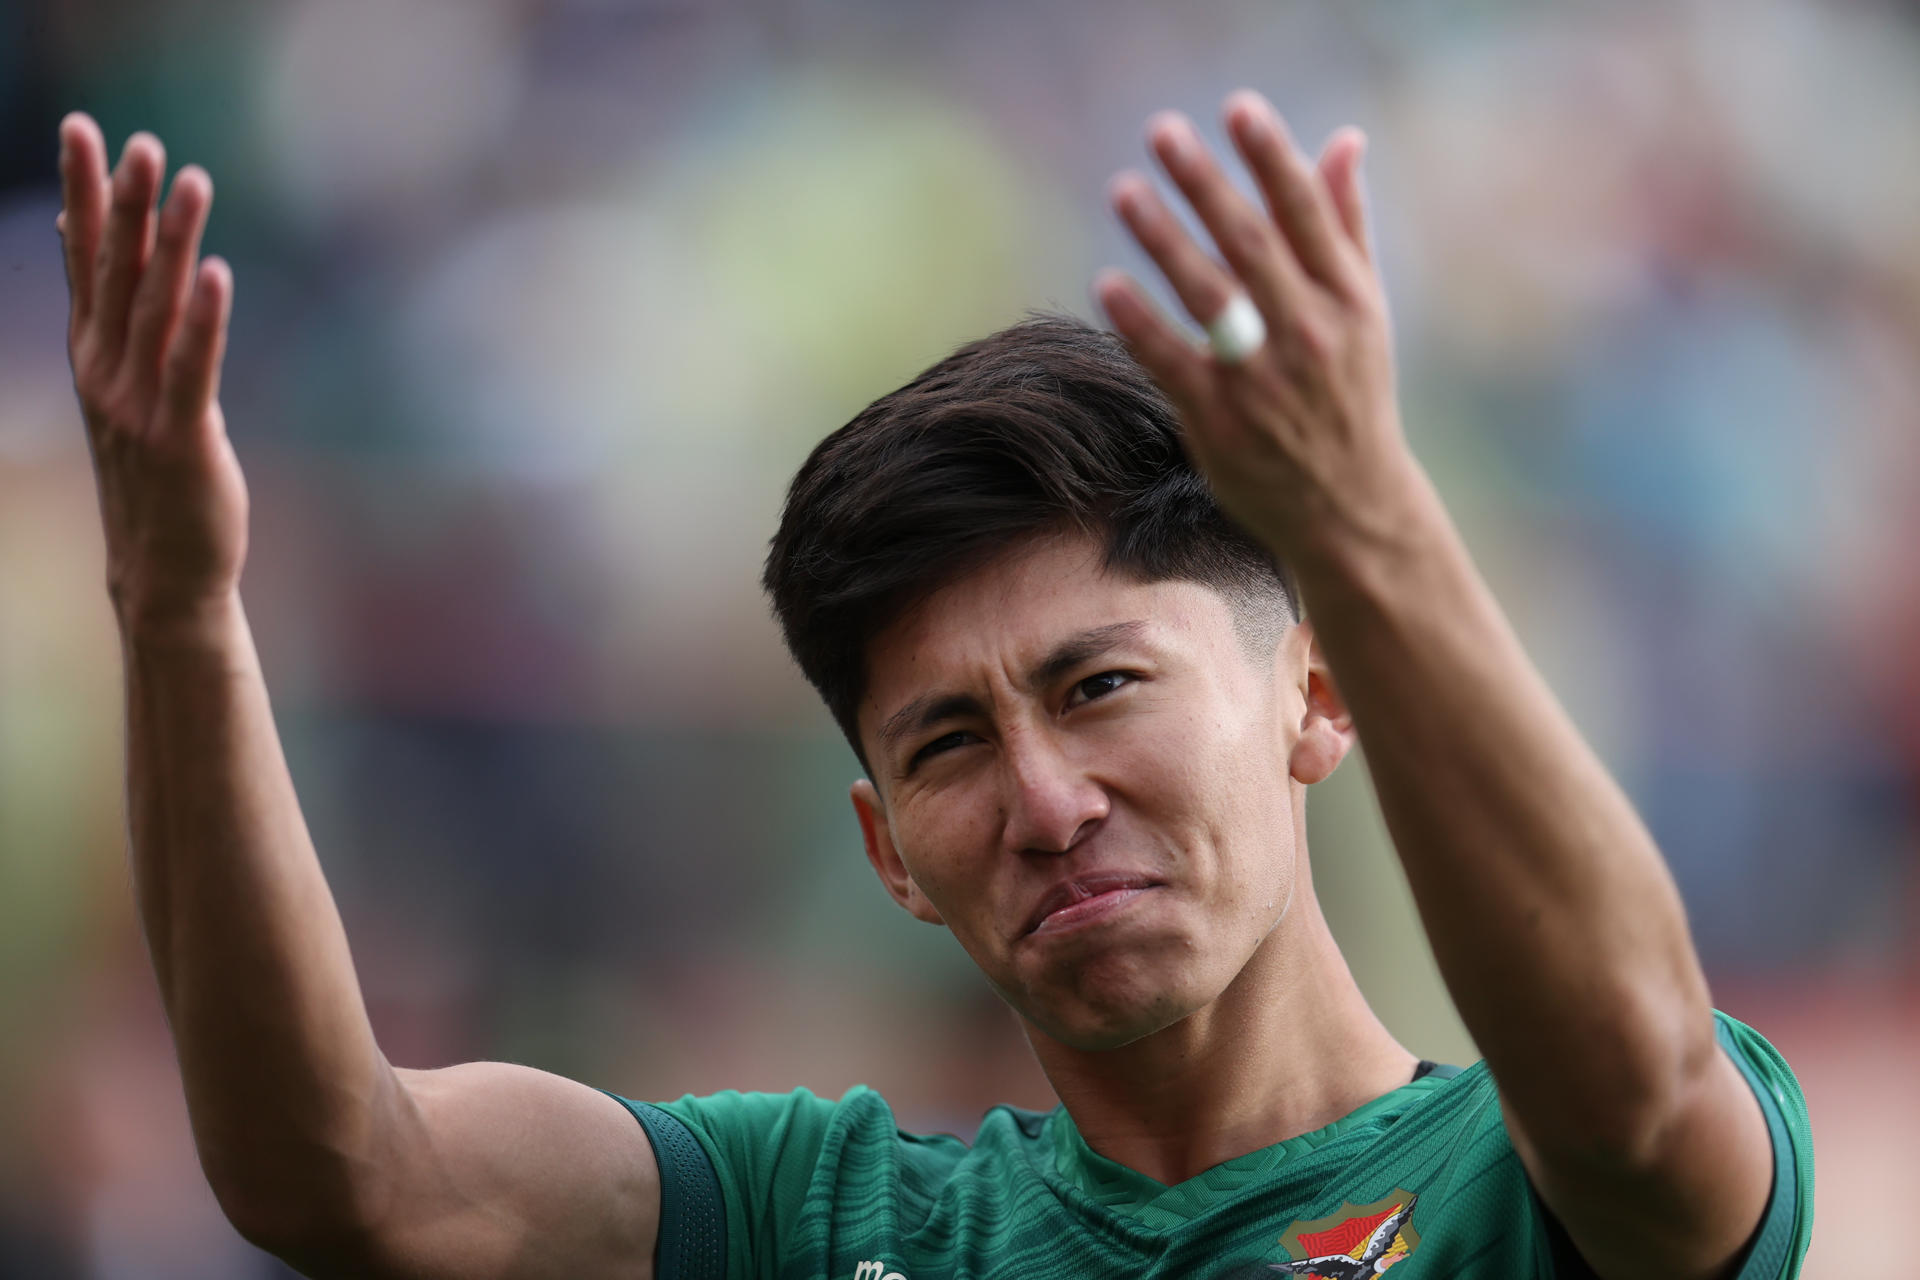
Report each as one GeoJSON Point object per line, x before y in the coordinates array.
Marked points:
{"type": "Point", "coordinates": [189, 178]}
{"type": "Point", "coordinates": [1172, 134]}
{"type": "Point", "coordinates": [1250, 128]}
{"type": "Point", "coordinates": [127, 152]}
{"type": "Point", "coordinates": [1185, 139]}
{"type": "Point", "coordinates": [1248, 109]}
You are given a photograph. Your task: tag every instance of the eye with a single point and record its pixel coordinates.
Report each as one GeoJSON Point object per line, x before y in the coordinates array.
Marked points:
{"type": "Point", "coordinates": [1098, 686]}
{"type": "Point", "coordinates": [945, 742]}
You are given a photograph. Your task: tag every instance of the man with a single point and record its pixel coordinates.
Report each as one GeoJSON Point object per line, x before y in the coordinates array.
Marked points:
{"type": "Point", "coordinates": [1089, 711]}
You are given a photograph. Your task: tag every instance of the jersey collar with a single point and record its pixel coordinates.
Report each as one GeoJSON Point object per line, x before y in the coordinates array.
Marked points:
{"type": "Point", "coordinates": [1158, 1206]}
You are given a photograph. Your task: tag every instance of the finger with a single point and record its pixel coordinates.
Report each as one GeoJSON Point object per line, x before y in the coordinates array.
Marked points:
{"type": "Point", "coordinates": [1202, 284]}
{"type": "Point", "coordinates": [190, 380]}
{"type": "Point", "coordinates": [1246, 238]}
{"type": "Point", "coordinates": [164, 285]}
{"type": "Point", "coordinates": [83, 203]}
{"type": "Point", "coordinates": [1300, 204]}
{"type": "Point", "coordinates": [1340, 171]}
{"type": "Point", "coordinates": [123, 250]}
{"type": "Point", "coordinates": [1160, 348]}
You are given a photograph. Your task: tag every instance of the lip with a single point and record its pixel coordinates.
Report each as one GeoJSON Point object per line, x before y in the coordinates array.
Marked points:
{"type": "Point", "coordinates": [1085, 897]}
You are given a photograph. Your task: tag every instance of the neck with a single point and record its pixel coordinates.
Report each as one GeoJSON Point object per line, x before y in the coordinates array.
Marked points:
{"type": "Point", "coordinates": [1289, 1047]}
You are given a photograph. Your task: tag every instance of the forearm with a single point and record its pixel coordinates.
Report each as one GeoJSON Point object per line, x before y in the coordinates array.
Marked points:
{"type": "Point", "coordinates": [285, 1085]}
{"type": "Point", "coordinates": [1555, 922]}
{"type": "Point", "coordinates": [317, 1148]}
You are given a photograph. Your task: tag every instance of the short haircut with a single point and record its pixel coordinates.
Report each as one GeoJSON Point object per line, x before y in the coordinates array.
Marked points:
{"type": "Point", "coordinates": [1047, 426]}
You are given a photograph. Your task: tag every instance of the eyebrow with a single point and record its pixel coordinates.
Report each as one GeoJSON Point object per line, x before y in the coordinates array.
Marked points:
{"type": "Point", "coordinates": [931, 708]}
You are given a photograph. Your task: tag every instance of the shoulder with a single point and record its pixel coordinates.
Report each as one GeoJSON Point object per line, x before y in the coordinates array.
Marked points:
{"type": "Point", "coordinates": [788, 1167]}
{"type": "Point", "coordinates": [766, 1146]}
{"type": "Point", "coordinates": [1478, 1191]}
{"type": "Point", "coordinates": [801, 1127]}
{"type": "Point", "coordinates": [1779, 1244]}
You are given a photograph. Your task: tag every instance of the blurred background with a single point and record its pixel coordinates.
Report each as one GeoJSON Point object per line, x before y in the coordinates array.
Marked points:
{"type": "Point", "coordinates": [539, 304]}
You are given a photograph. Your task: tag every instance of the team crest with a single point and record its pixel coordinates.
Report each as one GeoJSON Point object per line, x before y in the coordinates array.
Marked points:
{"type": "Point", "coordinates": [1357, 1243]}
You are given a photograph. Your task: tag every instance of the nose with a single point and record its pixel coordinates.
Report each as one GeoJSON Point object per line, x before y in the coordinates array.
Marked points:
{"type": "Point", "coordinates": [1052, 802]}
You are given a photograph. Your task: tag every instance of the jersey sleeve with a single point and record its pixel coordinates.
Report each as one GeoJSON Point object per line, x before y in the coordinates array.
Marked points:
{"type": "Point", "coordinates": [734, 1170]}
{"type": "Point", "coordinates": [1780, 1244]}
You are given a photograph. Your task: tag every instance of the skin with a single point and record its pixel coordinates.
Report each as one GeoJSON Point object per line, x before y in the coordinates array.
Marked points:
{"type": "Point", "coordinates": [1551, 913]}
{"type": "Point", "coordinates": [1209, 1012]}
{"type": "Point", "coordinates": [1166, 1022]}
{"type": "Point", "coordinates": [1118, 762]}
{"type": "Point", "coordinates": [318, 1147]}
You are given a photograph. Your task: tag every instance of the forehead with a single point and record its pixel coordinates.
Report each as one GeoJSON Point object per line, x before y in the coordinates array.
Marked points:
{"type": "Point", "coordinates": [1010, 613]}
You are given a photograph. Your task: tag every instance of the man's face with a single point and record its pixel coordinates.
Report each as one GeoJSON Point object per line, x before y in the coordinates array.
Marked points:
{"type": "Point", "coordinates": [1086, 778]}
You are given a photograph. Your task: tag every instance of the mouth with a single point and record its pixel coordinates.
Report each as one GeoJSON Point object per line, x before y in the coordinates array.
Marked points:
{"type": "Point", "coordinates": [1085, 898]}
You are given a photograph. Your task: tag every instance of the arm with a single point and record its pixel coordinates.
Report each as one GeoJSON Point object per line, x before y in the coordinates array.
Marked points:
{"type": "Point", "coordinates": [316, 1146]}
{"type": "Point", "coordinates": [1553, 917]}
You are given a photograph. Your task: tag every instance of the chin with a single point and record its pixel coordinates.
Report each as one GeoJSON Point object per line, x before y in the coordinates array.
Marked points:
{"type": "Point", "coordinates": [1102, 1009]}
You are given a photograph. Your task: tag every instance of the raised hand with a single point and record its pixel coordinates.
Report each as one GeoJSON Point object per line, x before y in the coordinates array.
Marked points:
{"type": "Point", "coordinates": [146, 336]}
{"type": "Point", "coordinates": [1300, 437]}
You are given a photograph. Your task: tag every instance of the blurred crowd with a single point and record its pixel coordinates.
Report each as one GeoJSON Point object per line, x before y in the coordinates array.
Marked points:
{"type": "Point", "coordinates": [539, 304]}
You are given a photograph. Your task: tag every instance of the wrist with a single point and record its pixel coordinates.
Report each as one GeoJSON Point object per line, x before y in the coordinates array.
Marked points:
{"type": "Point", "coordinates": [182, 623]}
{"type": "Point", "coordinates": [1364, 546]}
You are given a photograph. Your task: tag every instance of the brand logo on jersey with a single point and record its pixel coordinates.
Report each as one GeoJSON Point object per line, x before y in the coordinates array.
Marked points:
{"type": "Point", "coordinates": [875, 1270]}
{"type": "Point", "coordinates": [1358, 1242]}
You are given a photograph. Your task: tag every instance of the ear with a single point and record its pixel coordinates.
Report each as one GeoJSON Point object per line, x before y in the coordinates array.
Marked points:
{"type": "Point", "coordinates": [1326, 726]}
{"type": "Point", "coordinates": [885, 859]}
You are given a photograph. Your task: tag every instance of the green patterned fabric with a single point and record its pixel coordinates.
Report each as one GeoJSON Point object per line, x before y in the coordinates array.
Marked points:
{"type": "Point", "coordinates": [1423, 1180]}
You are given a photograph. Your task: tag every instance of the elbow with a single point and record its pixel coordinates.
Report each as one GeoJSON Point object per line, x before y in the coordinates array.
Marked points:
{"type": "Point", "coordinates": [309, 1247]}
{"type": "Point", "coordinates": [308, 1192]}
{"type": "Point", "coordinates": [308, 1244]}
{"type": "Point", "coordinates": [316, 1224]}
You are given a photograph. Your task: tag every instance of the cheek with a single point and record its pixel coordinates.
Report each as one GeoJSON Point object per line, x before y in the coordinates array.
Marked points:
{"type": "Point", "coordinates": [946, 837]}
{"type": "Point", "coordinates": [1205, 764]}
{"type": "Point", "coordinates": [1218, 779]}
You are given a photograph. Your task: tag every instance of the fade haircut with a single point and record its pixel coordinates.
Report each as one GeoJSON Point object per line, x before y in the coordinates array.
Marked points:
{"type": "Point", "coordinates": [1047, 426]}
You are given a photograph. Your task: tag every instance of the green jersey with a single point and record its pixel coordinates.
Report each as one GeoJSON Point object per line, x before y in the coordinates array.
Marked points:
{"type": "Point", "coordinates": [1423, 1180]}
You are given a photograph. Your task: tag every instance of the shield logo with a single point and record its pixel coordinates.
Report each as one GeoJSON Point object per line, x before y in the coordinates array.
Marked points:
{"type": "Point", "coordinates": [1356, 1243]}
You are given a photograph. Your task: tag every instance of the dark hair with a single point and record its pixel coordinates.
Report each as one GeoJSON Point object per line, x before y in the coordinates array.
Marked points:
{"type": "Point", "coordinates": [1046, 425]}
